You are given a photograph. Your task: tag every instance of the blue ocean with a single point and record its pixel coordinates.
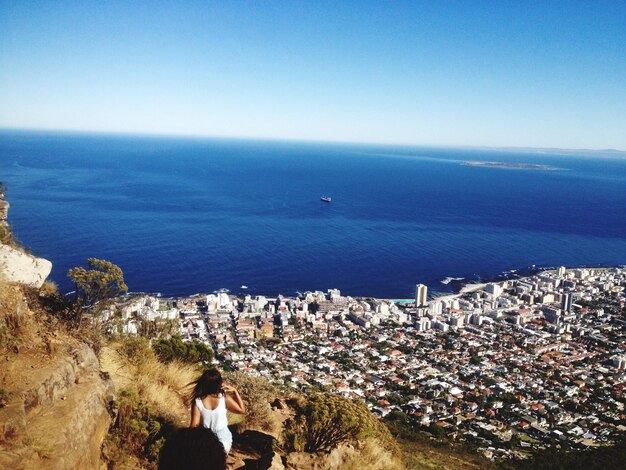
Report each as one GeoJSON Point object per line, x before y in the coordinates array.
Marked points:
{"type": "Point", "coordinates": [182, 216]}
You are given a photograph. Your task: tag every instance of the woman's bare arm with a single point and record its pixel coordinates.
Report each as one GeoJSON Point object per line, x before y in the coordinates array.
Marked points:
{"type": "Point", "coordinates": [234, 403]}
{"type": "Point", "coordinates": [195, 416]}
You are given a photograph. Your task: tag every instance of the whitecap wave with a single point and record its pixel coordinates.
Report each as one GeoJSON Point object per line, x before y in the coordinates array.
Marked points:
{"type": "Point", "coordinates": [448, 280]}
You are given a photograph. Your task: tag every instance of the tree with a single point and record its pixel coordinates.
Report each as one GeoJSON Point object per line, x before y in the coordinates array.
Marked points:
{"type": "Point", "coordinates": [96, 286]}
{"type": "Point", "coordinates": [474, 360]}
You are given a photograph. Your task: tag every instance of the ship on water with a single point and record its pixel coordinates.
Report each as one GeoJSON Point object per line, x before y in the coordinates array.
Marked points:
{"type": "Point", "coordinates": [326, 198]}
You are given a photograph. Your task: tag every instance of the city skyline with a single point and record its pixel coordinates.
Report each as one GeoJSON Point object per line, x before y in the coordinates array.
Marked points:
{"type": "Point", "coordinates": [462, 74]}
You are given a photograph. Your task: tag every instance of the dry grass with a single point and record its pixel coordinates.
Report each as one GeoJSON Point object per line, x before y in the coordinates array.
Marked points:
{"type": "Point", "coordinates": [7, 237]}
{"type": "Point", "coordinates": [163, 385]}
{"type": "Point", "coordinates": [17, 327]}
{"type": "Point", "coordinates": [423, 456]}
{"type": "Point", "coordinates": [257, 394]}
{"type": "Point", "coordinates": [372, 456]}
{"type": "Point", "coordinates": [49, 289]}
{"type": "Point", "coordinates": [43, 450]}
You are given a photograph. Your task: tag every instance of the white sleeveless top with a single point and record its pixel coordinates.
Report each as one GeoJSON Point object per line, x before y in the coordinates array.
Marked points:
{"type": "Point", "coordinates": [216, 421]}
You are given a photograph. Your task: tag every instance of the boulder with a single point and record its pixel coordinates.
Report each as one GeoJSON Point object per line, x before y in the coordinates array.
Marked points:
{"type": "Point", "coordinates": [19, 267]}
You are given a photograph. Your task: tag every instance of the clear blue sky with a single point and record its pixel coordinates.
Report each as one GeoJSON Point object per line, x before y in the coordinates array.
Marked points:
{"type": "Point", "coordinates": [493, 73]}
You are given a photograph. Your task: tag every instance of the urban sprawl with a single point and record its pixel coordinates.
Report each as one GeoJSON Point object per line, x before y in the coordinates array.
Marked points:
{"type": "Point", "coordinates": [508, 366]}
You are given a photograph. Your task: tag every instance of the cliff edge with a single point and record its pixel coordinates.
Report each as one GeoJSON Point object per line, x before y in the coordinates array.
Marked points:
{"type": "Point", "coordinates": [57, 414]}
{"type": "Point", "coordinates": [54, 400]}
{"type": "Point", "coordinates": [15, 264]}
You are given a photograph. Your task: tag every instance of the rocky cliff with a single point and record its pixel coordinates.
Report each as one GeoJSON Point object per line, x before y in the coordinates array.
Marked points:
{"type": "Point", "coordinates": [58, 412]}
{"type": "Point", "coordinates": [54, 400]}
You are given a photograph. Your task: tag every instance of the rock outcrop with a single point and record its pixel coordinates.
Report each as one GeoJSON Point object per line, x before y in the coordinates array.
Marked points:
{"type": "Point", "coordinates": [16, 265]}
{"type": "Point", "coordinates": [22, 268]}
{"type": "Point", "coordinates": [59, 412]}
{"type": "Point", "coordinates": [254, 449]}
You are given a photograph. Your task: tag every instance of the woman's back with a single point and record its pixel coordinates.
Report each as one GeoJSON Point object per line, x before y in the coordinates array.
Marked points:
{"type": "Point", "coordinates": [210, 399]}
{"type": "Point", "coordinates": [215, 419]}
{"type": "Point", "coordinates": [213, 411]}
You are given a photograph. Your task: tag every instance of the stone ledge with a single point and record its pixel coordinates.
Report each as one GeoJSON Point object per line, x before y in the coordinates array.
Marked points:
{"type": "Point", "coordinates": [19, 267]}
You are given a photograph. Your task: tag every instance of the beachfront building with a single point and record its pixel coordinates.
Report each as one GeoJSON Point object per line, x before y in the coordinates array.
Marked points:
{"type": "Point", "coordinates": [421, 293]}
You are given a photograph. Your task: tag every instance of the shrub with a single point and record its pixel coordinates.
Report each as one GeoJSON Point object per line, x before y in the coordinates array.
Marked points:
{"type": "Point", "coordinates": [7, 237]}
{"type": "Point", "coordinates": [137, 431]}
{"type": "Point", "coordinates": [323, 421]}
{"type": "Point", "coordinates": [12, 317]}
{"type": "Point", "coordinates": [192, 352]}
{"type": "Point", "coordinates": [5, 396]}
{"type": "Point", "coordinates": [604, 458]}
{"type": "Point", "coordinates": [49, 305]}
{"type": "Point", "coordinates": [134, 350]}
{"type": "Point", "coordinates": [49, 289]}
{"type": "Point", "coordinates": [436, 430]}
{"type": "Point", "coordinates": [6, 234]}
{"type": "Point", "coordinates": [257, 394]}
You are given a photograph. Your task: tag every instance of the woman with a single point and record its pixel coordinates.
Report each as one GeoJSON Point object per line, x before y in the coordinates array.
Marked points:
{"type": "Point", "coordinates": [192, 449]}
{"type": "Point", "coordinates": [210, 399]}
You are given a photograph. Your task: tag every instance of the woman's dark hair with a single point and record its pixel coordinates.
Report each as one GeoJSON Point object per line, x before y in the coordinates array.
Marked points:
{"type": "Point", "coordinates": [209, 383]}
{"type": "Point", "coordinates": [192, 449]}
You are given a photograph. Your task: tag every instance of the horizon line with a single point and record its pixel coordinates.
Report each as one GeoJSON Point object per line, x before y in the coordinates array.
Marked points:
{"type": "Point", "coordinates": [192, 136]}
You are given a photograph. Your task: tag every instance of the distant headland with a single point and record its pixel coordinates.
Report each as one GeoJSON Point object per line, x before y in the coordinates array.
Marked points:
{"type": "Point", "coordinates": [511, 165]}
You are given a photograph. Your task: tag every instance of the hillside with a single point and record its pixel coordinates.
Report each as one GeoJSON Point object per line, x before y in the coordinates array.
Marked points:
{"type": "Point", "coordinates": [57, 379]}
{"type": "Point", "coordinates": [260, 438]}
{"type": "Point", "coordinates": [54, 401]}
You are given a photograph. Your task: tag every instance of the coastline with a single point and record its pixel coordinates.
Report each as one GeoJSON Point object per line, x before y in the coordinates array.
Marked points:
{"type": "Point", "coordinates": [461, 289]}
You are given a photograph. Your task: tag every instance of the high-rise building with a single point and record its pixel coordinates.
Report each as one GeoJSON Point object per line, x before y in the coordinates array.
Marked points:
{"type": "Point", "coordinates": [493, 289]}
{"type": "Point", "coordinates": [423, 324]}
{"type": "Point", "coordinates": [566, 302]}
{"type": "Point", "coordinates": [561, 271]}
{"type": "Point", "coordinates": [436, 308]}
{"type": "Point", "coordinates": [421, 293]}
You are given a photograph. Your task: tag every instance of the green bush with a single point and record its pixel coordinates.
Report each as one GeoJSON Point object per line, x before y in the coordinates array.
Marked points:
{"type": "Point", "coordinates": [436, 430]}
{"type": "Point", "coordinates": [324, 420]}
{"type": "Point", "coordinates": [600, 458]}
{"type": "Point", "coordinates": [192, 352]}
{"type": "Point", "coordinates": [134, 350]}
{"type": "Point", "coordinates": [138, 431]}
{"type": "Point", "coordinates": [7, 237]}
